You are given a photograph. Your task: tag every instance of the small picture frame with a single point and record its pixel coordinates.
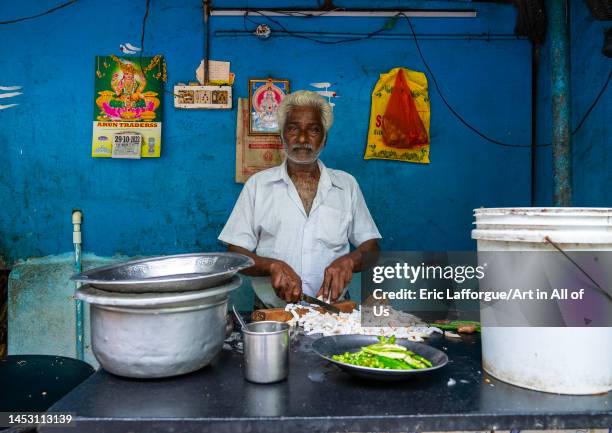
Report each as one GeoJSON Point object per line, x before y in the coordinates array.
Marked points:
{"type": "Point", "coordinates": [194, 97]}
{"type": "Point", "coordinates": [265, 95]}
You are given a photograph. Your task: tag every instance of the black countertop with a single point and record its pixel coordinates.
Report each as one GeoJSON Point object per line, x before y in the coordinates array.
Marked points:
{"type": "Point", "coordinates": [319, 397]}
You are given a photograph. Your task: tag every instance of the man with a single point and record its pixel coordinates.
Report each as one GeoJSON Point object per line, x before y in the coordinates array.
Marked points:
{"type": "Point", "coordinates": [296, 220]}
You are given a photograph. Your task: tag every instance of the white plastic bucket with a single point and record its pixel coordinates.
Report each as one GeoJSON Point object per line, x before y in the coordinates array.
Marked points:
{"type": "Point", "coordinates": [559, 360]}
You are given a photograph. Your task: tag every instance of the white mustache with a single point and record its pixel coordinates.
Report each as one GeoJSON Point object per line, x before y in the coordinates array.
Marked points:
{"type": "Point", "coordinates": [303, 147]}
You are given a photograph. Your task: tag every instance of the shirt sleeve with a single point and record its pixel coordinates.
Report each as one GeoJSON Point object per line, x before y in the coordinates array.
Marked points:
{"type": "Point", "coordinates": [239, 229]}
{"type": "Point", "coordinates": [362, 227]}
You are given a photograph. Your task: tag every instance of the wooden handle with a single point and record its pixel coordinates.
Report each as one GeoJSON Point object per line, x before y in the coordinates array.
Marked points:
{"type": "Point", "coordinates": [275, 314]}
{"type": "Point", "coordinates": [280, 315]}
{"type": "Point", "coordinates": [346, 306]}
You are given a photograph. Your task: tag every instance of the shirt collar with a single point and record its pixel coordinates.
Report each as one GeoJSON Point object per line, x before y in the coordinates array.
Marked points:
{"type": "Point", "coordinates": [328, 177]}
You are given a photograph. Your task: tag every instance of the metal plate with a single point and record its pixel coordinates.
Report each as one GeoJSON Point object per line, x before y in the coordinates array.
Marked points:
{"type": "Point", "coordinates": [326, 347]}
{"type": "Point", "coordinates": [96, 296]}
{"type": "Point", "coordinates": [178, 273]}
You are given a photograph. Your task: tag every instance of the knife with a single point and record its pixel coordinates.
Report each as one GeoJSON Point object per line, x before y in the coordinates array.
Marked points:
{"type": "Point", "coordinates": [315, 301]}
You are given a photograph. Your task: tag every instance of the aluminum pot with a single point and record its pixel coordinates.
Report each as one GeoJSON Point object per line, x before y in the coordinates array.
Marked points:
{"type": "Point", "coordinates": [152, 335]}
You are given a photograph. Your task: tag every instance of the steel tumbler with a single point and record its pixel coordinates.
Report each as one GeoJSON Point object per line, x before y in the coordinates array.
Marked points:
{"type": "Point", "coordinates": [266, 351]}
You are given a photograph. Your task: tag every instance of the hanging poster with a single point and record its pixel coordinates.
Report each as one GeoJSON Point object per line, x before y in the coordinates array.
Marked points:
{"type": "Point", "coordinates": [254, 152]}
{"type": "Point", "coordinates": [265, 95]}
{"type": "Point", "coordinates": [127, 107]}
{"type": "Point", "coordinates": [399, 117]}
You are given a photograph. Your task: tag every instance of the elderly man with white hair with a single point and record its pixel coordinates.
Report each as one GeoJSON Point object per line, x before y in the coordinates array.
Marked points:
{"type": "Point", "coordinates": [296, 220]}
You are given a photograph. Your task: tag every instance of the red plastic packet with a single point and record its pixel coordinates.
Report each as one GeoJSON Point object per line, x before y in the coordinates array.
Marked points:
{"type": "Point", "coordinates": [401, 126]}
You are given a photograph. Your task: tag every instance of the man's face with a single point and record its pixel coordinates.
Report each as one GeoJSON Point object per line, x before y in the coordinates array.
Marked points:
{"type": "Point", "coordinates": [303, 135]}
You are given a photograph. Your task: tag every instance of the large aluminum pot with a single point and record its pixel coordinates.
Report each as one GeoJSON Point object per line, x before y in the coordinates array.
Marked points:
{"type": "Point", "coordinates": [153, 335]}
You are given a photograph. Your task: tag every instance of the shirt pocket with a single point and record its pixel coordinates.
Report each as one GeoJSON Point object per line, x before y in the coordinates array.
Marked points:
{"type": "Point", "coordinates": [332, 227]}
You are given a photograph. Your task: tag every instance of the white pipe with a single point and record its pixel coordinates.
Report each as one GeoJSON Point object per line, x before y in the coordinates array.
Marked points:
{"type": "Point", "coordinates": [77, 218]}
{"type": "Point", "coordinates": [340, 13]}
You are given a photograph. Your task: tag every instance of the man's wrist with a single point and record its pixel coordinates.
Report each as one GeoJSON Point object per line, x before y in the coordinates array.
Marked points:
{"type": "Point", "coordinates": [268, 264]}
{"type": "Point", "coordinates": [354, 258]}
{"type": "Point", "coordinates": [347, 260]}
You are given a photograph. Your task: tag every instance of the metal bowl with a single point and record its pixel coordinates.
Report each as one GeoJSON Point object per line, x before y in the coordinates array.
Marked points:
{"type": "Point", "coordinates": [178, 273]}
{"type": "Point", "coordinates": [326, 347]}
{"type": "Point", "coordinates": [153, 335]}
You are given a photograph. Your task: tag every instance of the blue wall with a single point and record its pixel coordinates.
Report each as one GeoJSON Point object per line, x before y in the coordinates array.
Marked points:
{"type": "Point", "coordinates": [592, 144]}
{"type": "Point", "coordinates": [179, 202]}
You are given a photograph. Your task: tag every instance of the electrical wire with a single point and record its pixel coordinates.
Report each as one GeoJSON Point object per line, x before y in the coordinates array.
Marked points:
{"type": "Point", "coordinates": [451, 109]}
{"type": "Point", "coordinates": [142, 43]}
{"type": "Point", "coordinates": [601, 92]}
{"type": "Point", "coordinates": [462, 120]}
{"type": "Point", "coordinates": [18, 20]}
{"type": "Point", "coordinates": [142, 36]}
{"type": "Point", "coordinates": [433, 77]}
{"type": "Point", "coordinates": [144, 26]}
{"type": "Point", "coordinates": [340, 41]}
{"type": "Point", "coordinates": [246, 18]}
{"type": "Point", "coordinates": [319, 41]}
{"type": "Point", "coordinates": [309, 15]}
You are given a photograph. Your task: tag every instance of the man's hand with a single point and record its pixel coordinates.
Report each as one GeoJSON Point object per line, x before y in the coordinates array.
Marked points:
{"type": "Point", "coordinates": [337, 276]}
{"type": "Point", "coordinates": [287, 284]}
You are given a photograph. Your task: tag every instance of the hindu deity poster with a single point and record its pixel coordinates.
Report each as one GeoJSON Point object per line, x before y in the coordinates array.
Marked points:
{"type": "Point", "coordinates": [265, 95]}
{"type": "Point", "coordinates": [127, 106]}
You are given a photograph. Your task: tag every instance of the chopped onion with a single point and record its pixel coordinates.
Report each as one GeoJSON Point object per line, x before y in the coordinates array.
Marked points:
{"type": "Point", "coordinates": [314, 322]}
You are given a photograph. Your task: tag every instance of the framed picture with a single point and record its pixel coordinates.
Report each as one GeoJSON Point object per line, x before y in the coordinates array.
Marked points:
{"type": "Point", "coordinates": [265, 95]}
{"type": "Point", "coordinates": [203, 97]}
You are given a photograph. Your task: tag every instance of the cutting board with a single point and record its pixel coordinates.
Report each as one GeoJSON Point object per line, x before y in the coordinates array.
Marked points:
{"type": "Point", "coordinates": [280, 315]}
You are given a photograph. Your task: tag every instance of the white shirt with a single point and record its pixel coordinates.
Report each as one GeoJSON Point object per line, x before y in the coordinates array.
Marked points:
{"type": "Point", "coordinates": [269, 217]}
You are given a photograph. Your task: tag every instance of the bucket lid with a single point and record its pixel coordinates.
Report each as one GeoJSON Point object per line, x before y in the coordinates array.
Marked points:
{"type": "Point", "coordinates": [533, 224]}
{"type": "Point", "coordinates": [550, 212]}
